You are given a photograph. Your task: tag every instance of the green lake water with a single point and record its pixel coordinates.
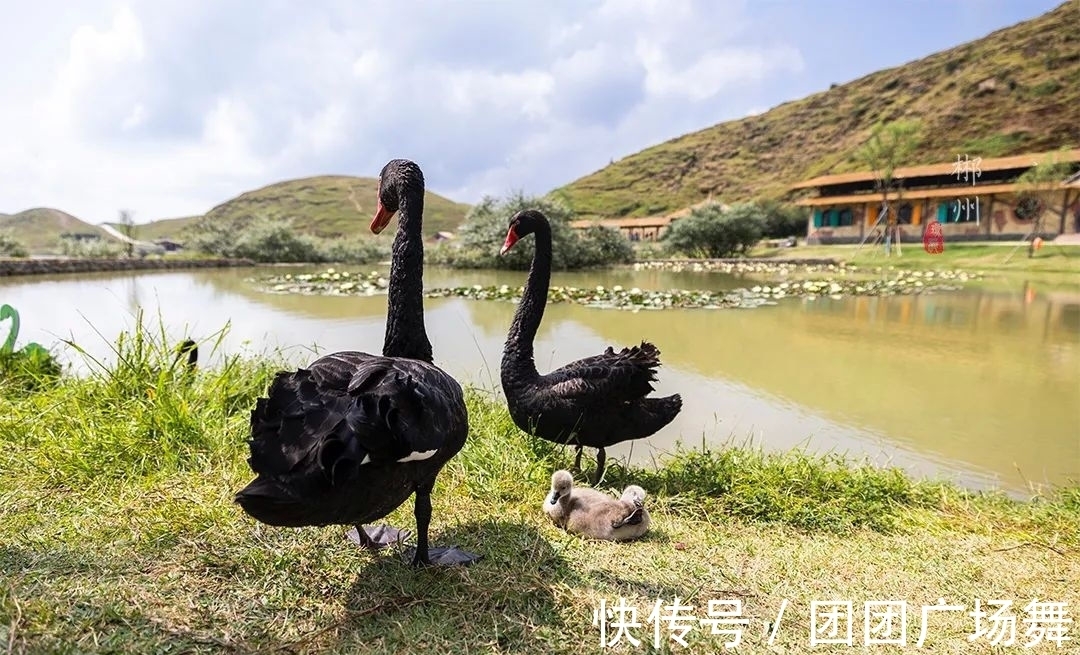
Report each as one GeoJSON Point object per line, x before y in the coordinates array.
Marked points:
{"type": "Point", "coordinates": [981, 386]}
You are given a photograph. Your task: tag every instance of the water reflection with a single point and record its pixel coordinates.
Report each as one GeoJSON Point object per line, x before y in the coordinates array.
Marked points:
{"type": "Point", "coordinates": [981, 384]}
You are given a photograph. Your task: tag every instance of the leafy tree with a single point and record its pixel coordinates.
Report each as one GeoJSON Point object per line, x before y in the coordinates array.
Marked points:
{"type": "Point", "coordinates": [711, 231]}
{"type": "Point", "coordinates": [783, 220]}
{"type": "Point", "coordinates": [12, 247]}
{"type": "Point", "coordinates": [127, 228]}
{"type": "Point", "coordinates": [484, 230]}
{"type": "Point", "coordinates": [889, 146]}
{"type": "Point", "coordinates": [1038, 187]}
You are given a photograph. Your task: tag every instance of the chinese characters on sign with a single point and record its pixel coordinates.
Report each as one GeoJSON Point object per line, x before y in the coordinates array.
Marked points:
{"type": "Point", "coordinates": [966, 169]}
{"type": "Point", "coordinates": [833, 622]}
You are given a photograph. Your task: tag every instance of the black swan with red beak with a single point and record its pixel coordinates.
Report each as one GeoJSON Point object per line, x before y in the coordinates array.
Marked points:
{"type": "Point", "coordinates": [349, 438]}
{"type": "Point", "coordinates": [598, 401]}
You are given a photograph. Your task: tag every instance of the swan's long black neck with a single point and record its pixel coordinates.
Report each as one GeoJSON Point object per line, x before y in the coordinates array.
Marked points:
{"type": "Point", "coordinates": [518, 364]}
{"type": "Point", "coordinates": [406, 335]}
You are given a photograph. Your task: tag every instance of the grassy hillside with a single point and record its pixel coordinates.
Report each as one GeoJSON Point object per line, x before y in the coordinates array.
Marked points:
{"type": "Point", "coordinates": [1016, 90]}
{"type": "Point", "coordinates": [325, 206]}
{"type": "Point", "coordinates": [167, 228]}
{"type": "Point", "coordinates": [40, 229]}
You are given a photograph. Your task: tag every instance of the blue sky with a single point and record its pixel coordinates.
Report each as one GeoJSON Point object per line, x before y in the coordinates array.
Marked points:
{"type": "Point", "coordinates": [168, 107]}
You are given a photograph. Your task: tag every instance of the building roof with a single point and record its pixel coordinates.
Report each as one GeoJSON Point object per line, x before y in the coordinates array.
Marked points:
{"type": "Point", "coordinates": [991, 164]}
{"type": "Point", "coordinates": [919, 194]}
{"type": "Point", "coordinates": [645, 221]}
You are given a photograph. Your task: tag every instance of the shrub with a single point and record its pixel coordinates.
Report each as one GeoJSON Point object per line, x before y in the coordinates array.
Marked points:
{"type": "Point", "coordinates": [783, 220]}
{"type": "Point", "coordinates": [484, 231]}
{"type": "Point", "coordinates": [91, 248]}
{"type": "Point", "coordinates": [274, 240]}
{"type": "Point", "coordinates": [11, 247]}
{"type": "Point", "coordinates": [710, 231]}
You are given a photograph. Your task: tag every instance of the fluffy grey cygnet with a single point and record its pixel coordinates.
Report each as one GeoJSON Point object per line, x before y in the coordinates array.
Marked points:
{"type": "Point", "coordinates": [593, 514]}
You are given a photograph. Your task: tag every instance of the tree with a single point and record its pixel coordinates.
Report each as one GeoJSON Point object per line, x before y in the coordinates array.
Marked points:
{"type": "Point", "coordinates": [783, 219]}
{"type": "Point", "coordinates": [11, 247]}
{"type": "Point", "coordinates": [713, 231]}
{"type": "Point", "coordinates": [889, 146]}
{"type": "Point", "coordinates": [1037, 189]}
{"type": "Point", "coordinates": [127, 228]}
{"type": "Point", "coordinates": [484, 231]}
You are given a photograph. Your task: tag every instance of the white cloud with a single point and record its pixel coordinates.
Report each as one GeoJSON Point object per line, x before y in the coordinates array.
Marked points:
{"type": "Point", "coordinates": [170, 107]}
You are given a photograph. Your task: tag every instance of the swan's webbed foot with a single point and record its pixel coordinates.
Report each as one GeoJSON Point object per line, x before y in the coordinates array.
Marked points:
{"type": "Point", "coordinates": [375, 538]}
{"type": "Point", "coordinates": [443, 556]}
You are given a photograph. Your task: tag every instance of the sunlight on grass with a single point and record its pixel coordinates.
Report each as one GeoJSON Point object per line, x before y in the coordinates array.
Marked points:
{"type": "Point", "coordinates": [118, 534]}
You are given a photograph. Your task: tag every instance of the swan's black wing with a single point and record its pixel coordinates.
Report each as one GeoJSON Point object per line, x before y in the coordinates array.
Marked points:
{"type": "Point", "coordinates": [612, 376]}
{"type": "Point", "coordinates": [319, 427]}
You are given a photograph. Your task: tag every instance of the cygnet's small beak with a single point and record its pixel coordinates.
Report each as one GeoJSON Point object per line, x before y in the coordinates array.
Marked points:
{"type": "Point", "coordinates": [554, 497]}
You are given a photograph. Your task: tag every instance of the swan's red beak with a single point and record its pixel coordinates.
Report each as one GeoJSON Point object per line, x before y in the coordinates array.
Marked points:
{"type": "Point", "coordinates": [511, 239]}
{"type": "Point", "coordinates": [382, 217]}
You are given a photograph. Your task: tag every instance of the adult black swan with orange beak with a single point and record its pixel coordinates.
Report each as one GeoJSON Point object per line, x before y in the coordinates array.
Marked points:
{"type": "Point", "coordinates": [598, 401]}
{"type": "Point", "coordinates": [346, 440]}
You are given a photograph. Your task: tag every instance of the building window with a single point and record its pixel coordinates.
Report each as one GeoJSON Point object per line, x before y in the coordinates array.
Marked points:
{"type": "Point", "coordinates": [903, 215]}
{"type": "Point", "coordinates": [846, 217]}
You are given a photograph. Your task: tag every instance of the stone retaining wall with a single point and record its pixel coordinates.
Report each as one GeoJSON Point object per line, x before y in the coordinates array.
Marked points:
{"type": "Point", "coordinates": [11, 267]}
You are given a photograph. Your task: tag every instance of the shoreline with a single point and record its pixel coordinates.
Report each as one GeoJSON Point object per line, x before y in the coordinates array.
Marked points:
{"type": "Point", "coordinates": [148, 467]}
{"type": "Point", "coordinates": [26, 267]}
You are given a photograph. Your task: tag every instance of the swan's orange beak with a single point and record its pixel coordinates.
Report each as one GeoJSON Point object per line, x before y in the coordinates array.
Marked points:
{"type": "Point", "coordinates": [511, 239]}
{"type": "Point", "coordinates": [382, 217]}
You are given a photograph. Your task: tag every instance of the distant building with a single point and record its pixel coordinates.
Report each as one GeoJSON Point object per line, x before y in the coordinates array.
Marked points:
{"type": "Point", "coordinates": [973, 199]}
{"type": "Point", "coordinates": [81, 236]}
{"type": "Point", "coordinates": [648, 228]}
{"type": "Point", "coordinates": [168, 245]}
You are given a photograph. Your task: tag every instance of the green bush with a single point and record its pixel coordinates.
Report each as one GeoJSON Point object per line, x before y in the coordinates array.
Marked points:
{"type": "Point", "coordinates": [11, 247]}
{"type": "Point", "coordinates": [484, 230]}
{"type": "Point", "coordinates": [272, 240]}
{"type": "Point", "coordinates": [710, 231]}
{"type": "Point", "coordinates": [91, 248]}
{"type": "Point", "coordinates": [783, 220]}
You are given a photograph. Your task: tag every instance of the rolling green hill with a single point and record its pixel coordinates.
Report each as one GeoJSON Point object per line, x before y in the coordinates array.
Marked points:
{"type": "Point", "coordinates": [1016, 90]}
{"type": "Point", "coordinates": [40, 229]}
{"type": "Point", "coordinates": [166, 228]}
{"type": "Point", "coordinates": [324, 206]}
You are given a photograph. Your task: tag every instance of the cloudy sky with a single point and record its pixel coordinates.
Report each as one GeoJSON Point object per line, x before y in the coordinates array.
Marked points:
{"type": "Point", "coordinates": [169, 107]}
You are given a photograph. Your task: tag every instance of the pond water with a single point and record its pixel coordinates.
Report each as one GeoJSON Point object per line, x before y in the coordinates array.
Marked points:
{"type": "Point", "coordinates": [978, 386]}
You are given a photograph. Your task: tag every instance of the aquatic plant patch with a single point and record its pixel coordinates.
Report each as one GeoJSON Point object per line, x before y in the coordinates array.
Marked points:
{"type": "Point", "coordinates": [332, 282]}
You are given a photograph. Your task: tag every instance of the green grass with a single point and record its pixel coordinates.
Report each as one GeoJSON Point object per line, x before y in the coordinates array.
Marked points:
{"type": "Point", "coordinates": [118, 534]}
{"type": "Point", "coordinates": [324, 206]}
{"type": "Point", "coordinates": [1051, 260]}
{"type": "Point", "coordinates": [1037, 76]}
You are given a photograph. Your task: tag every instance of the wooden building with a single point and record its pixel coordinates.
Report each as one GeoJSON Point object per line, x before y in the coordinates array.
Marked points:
{"type": "Point", "coordinates": [973, 199]}
{"type": "Point", "coordinates": [647, 228]}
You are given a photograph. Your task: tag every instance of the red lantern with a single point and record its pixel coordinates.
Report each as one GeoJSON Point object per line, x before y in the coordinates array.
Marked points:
{"type": "Point", "coordinates": [933, 241]}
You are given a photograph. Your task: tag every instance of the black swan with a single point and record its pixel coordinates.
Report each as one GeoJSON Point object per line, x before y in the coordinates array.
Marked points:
{"type": "Point", "coordinates": [597, 401]}
{"type": "Point", "coordinates": [191, 349]}
{"type": "Point", "coordinates": [349, 438]}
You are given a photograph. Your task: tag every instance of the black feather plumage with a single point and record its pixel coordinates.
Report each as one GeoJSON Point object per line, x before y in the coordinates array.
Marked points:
{"type": "Point", "coordinates": [597, 401]}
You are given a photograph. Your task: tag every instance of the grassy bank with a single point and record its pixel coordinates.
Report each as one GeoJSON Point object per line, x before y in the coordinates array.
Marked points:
{"type": "Point", "coordinates": [973, 257]}
{"type": "Point", "coordinates": [117, 534]}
